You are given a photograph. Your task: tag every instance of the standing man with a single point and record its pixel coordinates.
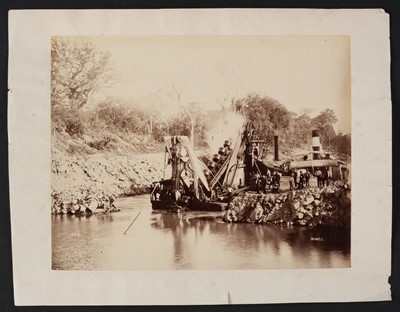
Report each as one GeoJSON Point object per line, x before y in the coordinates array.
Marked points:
{"type": "Point", "coordinates": [268, 179]}
{"type": "Point", "coordinates": [307, 177]}
{"type": "Point", "coordinates": [318, 174]}
{"type": "Point", "coordinates": [291, 181]}
{"type": "Point", "coordinates": [295, 178]}
{"type": "Point", "coordinates": [328, 176]}
{"type": "Point", "coordinates": [325, 181]}
{"type": "Point", "coordinates": [257, 181]}
{"type": "Point", "coordinates": [301, 180]}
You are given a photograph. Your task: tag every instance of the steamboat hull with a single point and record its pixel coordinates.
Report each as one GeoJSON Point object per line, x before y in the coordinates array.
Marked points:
{"type": "Point", "coordinates": [194, 205]}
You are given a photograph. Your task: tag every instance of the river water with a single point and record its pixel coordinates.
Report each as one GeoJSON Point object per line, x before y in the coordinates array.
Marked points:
{"type": "Point", "coordinates": [194, 240]}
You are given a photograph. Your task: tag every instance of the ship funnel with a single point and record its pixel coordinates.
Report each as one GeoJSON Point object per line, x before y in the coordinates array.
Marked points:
{"type": "Point", "coordinates": [276, 148]}
{"type": "Point", "coordinates": [316, 144]}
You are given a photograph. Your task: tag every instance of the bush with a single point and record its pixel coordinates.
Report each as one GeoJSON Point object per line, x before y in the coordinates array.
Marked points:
{"type": "Point", "coordinates": [74, 126]}
{"type": "Point", "coordinates": [68, 120]}
{"type": "Point", "coordinates": [78, 150]}
{"type": "Point", "coordinates": [122, 117]}
{"type": "Point", "coordinates": [101, 144]}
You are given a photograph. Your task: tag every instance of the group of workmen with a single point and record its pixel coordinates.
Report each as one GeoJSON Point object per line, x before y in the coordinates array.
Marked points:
{"type": "Point", "coordinates": [302, 179]}
{"type": "Point", "coordinates": [323, 176]}
{"type": "Point", "coordinates": [298, 179]}
{"type": "Point", "coordinates": [271, 181]}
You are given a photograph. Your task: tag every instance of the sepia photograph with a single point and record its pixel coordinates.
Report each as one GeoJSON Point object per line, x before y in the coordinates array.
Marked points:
{"type": "Point", "coordinates": [196, 157]}
{"type": "Point", "coordinates": [200, 152]}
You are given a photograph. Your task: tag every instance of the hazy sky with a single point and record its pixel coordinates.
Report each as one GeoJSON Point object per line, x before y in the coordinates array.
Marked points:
{"type": "Point", "coordinates": [299, 71]}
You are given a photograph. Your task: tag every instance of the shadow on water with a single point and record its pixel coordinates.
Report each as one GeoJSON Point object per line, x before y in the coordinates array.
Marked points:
{"type": "Point", "coordinates": [190, 240]}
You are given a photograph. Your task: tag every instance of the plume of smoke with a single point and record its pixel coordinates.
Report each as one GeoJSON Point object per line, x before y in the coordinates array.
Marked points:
{"type": "Point", "coordinates": [226, 128]}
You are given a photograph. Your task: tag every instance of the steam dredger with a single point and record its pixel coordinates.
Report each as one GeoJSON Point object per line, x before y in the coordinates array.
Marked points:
{"type": "Point", "coordinates": [208, 184]}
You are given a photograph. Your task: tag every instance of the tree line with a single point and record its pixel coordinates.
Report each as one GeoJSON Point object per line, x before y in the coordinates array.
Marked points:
{"type": "Point", "coordinates": [79, 70]}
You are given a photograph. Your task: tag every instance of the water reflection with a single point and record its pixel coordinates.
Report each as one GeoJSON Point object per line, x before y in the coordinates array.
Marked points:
{"type": "Point", "coordinates": [162, 240]}
{"type": "Point", "coordinates": [257, 241]}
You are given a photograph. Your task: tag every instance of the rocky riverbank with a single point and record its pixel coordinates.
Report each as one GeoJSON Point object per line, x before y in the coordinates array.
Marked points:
{"type": "Point", "coordinates": [93, 181]}
{"type": "Point", "coordinates": [307, 207]}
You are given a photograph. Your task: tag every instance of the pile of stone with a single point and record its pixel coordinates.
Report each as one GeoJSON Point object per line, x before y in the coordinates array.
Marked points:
{"type": "Point", "coordinates": [306, 207]}
{"type": "Point", "coordinates": [84, 204]}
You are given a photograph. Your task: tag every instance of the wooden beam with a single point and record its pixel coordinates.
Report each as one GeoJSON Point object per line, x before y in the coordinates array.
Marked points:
{"type": "Point", "coordinates": [314, 163]}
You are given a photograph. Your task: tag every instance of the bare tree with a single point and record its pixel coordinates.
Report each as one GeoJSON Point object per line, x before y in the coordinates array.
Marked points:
{"type": "Point", "coordinates": [78, 70]}
{"type": "Point", "coordinates": [175, 96]}
{"type": "Point", "coordinates": [225, 99]}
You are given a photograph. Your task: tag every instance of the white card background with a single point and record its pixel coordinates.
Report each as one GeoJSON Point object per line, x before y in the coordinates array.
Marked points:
{"type": "Point", "coordinates": [29, 134]}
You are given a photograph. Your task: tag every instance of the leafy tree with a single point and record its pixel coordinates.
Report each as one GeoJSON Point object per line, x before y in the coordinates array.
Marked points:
{"type": "Point", "coordinates": [326, 118]}
{"type": "Point", "coordinates": [342, 144]}
{"type": "Point", "coordinates": [118, 116]}
{"type": "Point", "coordinates": [78, 70]}
{"type": "Point", "coordinates": [268, 115]}
{"type": "Point", "coordinates": [301, 130]}
{"type": "Point", "coordinates": [324, 122]}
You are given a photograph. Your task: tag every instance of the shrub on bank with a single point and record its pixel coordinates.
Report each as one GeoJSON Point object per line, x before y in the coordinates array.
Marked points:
{"type": "Point", "coordinates": [68, 120]}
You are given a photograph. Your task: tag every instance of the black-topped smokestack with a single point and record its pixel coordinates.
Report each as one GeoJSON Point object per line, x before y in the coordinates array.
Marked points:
{"type": "Point", "coordinates": [276, 148]}
{"type": "Point", "coordinates": [316, 145]}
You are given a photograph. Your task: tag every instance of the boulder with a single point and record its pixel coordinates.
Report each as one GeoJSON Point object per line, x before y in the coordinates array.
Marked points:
{"type": "Point", "coordinates": [338, 193]}
{"type": "Point", "coordinates": [257, 213]}
{"type": "Point", "coordinates": [308, 199]}
{"type": "Point", "coordinates": [296, 204]}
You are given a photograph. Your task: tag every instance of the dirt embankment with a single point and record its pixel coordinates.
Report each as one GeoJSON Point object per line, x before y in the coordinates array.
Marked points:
{"type": "Point", "coordinates": [74, 177]}
{"type": "Point", "coordinates": [89, 172]}
{"type": "Point", "coordinates": [94, 168]}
